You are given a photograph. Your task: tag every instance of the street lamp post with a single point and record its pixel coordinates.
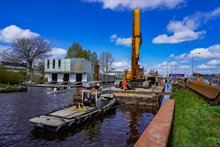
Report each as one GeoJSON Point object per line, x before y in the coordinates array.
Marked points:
{"type": "Point", "coordinates": [192, 61]}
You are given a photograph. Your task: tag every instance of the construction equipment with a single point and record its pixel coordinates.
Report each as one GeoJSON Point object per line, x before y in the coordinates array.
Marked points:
{"type": "Point", "coordinates": [96, 72]}
{"type": "Point", "coordinates": [210, 93]}
{"type": "Point", "coordinates": [136, 74]}
{"type": "Point", "coordinates": [133, 75]}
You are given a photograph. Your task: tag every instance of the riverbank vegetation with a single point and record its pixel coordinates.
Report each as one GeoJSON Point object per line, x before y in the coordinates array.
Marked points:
{"type": "Point", "coordinates": [5, 86]}
{"type": "Point", "coordinates": [195, 122]}
{"type": "Point", "coordinates": [9, 78]}
{"type": "Point", "coordinates": [39, 79]}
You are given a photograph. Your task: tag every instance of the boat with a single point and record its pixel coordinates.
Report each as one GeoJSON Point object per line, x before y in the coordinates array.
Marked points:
{"type": "Point", "coordinates": [93, 104]}
{"type": "Point", "coordinates": [55, 91]}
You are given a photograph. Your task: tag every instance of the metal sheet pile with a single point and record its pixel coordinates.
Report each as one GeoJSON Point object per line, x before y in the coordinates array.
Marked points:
{"type": "Point", "coordinates": [210, 93]}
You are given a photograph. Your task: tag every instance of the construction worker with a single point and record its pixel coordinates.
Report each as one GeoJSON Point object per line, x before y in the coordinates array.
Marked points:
{"type": "Point", "coordinates": [161, 82]}
{"type": "Point", "coordinates": [156, 81]}
{"type": "Point", "coordinates": [124, 85]}
{"type": "Point", "coordinates": [199, 80]}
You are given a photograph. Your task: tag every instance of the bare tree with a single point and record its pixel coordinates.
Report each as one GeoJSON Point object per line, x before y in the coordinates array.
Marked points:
{"type": "Point", "coordinates": [27, 51]}
{"type": "Point", "coordinates": [105, 61]}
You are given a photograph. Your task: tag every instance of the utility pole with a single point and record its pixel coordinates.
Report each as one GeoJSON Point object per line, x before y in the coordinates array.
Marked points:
{"type": "Point", "coordinates": [192, 61]}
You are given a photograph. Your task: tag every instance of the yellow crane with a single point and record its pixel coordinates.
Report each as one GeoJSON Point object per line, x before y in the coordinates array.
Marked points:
{"type": "Point", "coordinates": [134, 74]}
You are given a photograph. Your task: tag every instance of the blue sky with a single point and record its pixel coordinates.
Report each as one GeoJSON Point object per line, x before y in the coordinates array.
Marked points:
{"type": "Point", "coordinates": [173, 30]}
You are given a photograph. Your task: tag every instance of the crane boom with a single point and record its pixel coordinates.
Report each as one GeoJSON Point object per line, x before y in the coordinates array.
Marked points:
{"type": "Point", "coordinates": [136, 75]}
{"type": "Point", "coordinates": [136, 43]}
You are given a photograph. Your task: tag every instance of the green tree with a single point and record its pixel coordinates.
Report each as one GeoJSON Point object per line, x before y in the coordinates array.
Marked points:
{"type": "Point", "coordinates": [76, 51]}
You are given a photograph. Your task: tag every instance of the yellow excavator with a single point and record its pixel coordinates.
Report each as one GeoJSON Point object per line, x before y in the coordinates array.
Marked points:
{"type": "Point", "coordinates": [136, 75]}
{"type": "Point", "coordinates": [133, 75]}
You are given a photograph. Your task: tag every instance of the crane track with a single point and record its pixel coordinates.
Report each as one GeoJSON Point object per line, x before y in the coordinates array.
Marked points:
{"type": "Point", "coordinates": [210, 93]}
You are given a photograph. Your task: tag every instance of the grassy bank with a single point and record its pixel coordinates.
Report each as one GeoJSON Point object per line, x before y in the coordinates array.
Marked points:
{"type": "Point", "coordinates": [195, 123]}
{"type": "Point", "coordinates": [3, 86]}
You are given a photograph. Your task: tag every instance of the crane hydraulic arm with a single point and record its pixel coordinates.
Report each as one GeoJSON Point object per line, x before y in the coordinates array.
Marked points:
{"type": "Point", "coordinates": [136, 43]}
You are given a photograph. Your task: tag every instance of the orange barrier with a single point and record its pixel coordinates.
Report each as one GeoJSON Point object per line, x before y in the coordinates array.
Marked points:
{"type": "Point", "coordinates": [157, 133]}
{"type": "Point", "coordinates": [211, 93]}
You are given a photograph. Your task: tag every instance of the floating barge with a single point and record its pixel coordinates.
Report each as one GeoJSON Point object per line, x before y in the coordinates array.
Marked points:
{"type": "Point", "coordinates": [151, 97]}
{"type": "Point", "coordinates": [93, 104]}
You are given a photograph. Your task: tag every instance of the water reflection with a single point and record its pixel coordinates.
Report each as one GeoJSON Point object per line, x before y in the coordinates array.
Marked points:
{"type": "Point", "coordinates": [89, 130]}
{"type": "Point", "coordinates": [167, 88]}
{"type": "Point", "coordinates": [121, 126]}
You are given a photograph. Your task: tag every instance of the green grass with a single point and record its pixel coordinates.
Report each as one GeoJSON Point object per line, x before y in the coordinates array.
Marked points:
{"type": "Point", "coordinates": [195, 123]}
{"type": "Point", "coordinates": [3, 86]}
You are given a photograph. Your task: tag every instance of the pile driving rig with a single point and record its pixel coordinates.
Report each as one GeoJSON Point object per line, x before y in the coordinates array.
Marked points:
{"type": "Point", "coordinates": [135, 77]}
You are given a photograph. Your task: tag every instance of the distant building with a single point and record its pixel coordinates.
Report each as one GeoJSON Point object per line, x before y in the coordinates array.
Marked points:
{"type": "Point", "coordinates": [72, 70]}
{"type": "Point", "coordinates": [117, 73]}
{"type": "Point", "coordinates": [174, 76]}
{"type": "Point", "coordinates": [14, 67]}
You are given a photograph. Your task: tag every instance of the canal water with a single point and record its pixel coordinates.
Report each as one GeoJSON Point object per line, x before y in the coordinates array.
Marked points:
{"type": "Point", "coordinates": [167, 88]}
{"type": "Point", "coordinates": [121, 126]}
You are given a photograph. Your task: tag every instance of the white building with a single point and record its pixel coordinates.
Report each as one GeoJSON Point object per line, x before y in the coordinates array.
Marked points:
{"type": "Point", "coordinates": [72, 70]}
{"type": "Point", "coordinates": [13, 67]}
{"type": "Point", "coordinates": [117, 73]}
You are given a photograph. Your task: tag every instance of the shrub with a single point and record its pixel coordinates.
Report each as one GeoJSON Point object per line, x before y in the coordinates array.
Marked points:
{"type": "Point", "coordinates": [40, 79]}
{"type": "Point", "coordinates": [9, 77]}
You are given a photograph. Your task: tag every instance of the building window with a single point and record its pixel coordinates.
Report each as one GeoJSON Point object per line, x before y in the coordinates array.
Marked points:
{"type": "Point", "coordinates": [53, 63]}
{"type": "Point", "coordinates": [48, 63]}
{"type": "Point", "coordinates": [59, 63]}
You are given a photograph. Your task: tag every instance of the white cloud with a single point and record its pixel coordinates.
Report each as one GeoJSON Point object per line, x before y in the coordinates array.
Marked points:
{"type": "Point", "coordinates": [121, 65]}
{"type": "Point", "coordinates": [213, 65]}
{"type": "Point", "coordinates": [214, 62]}
{"type": "Point", "coordinates": [172, 55]}
{"type": "Point", "coordinates": [181, 32]}
{"type": "Point", "coordinates": [182, 56]}
{"type": "Point", "coordinates": [172, 63]}
{"type": "Point", "coordinates": [164, 64]}
{"type": "Point", "coordinates": [13, 32]}
{"type": "Point", "coordinates": [184, 61]}
{"type": "Point", "coordinates": [172, 67]}
{"type": "Point", "coordinates": [121, 41]}
{"type": "Point", "coordinates": [212, 52]}
{"type": "Point", "coordinates": [184, 66]}
{"type": "Point", "coordinates": [206, 67]}
{"type": "Point", "coordinates": [185, 30]}
{"type": "Point", "coordinates": [143, 4]}
{"type": "Point", "coordinates": [57, 53]}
